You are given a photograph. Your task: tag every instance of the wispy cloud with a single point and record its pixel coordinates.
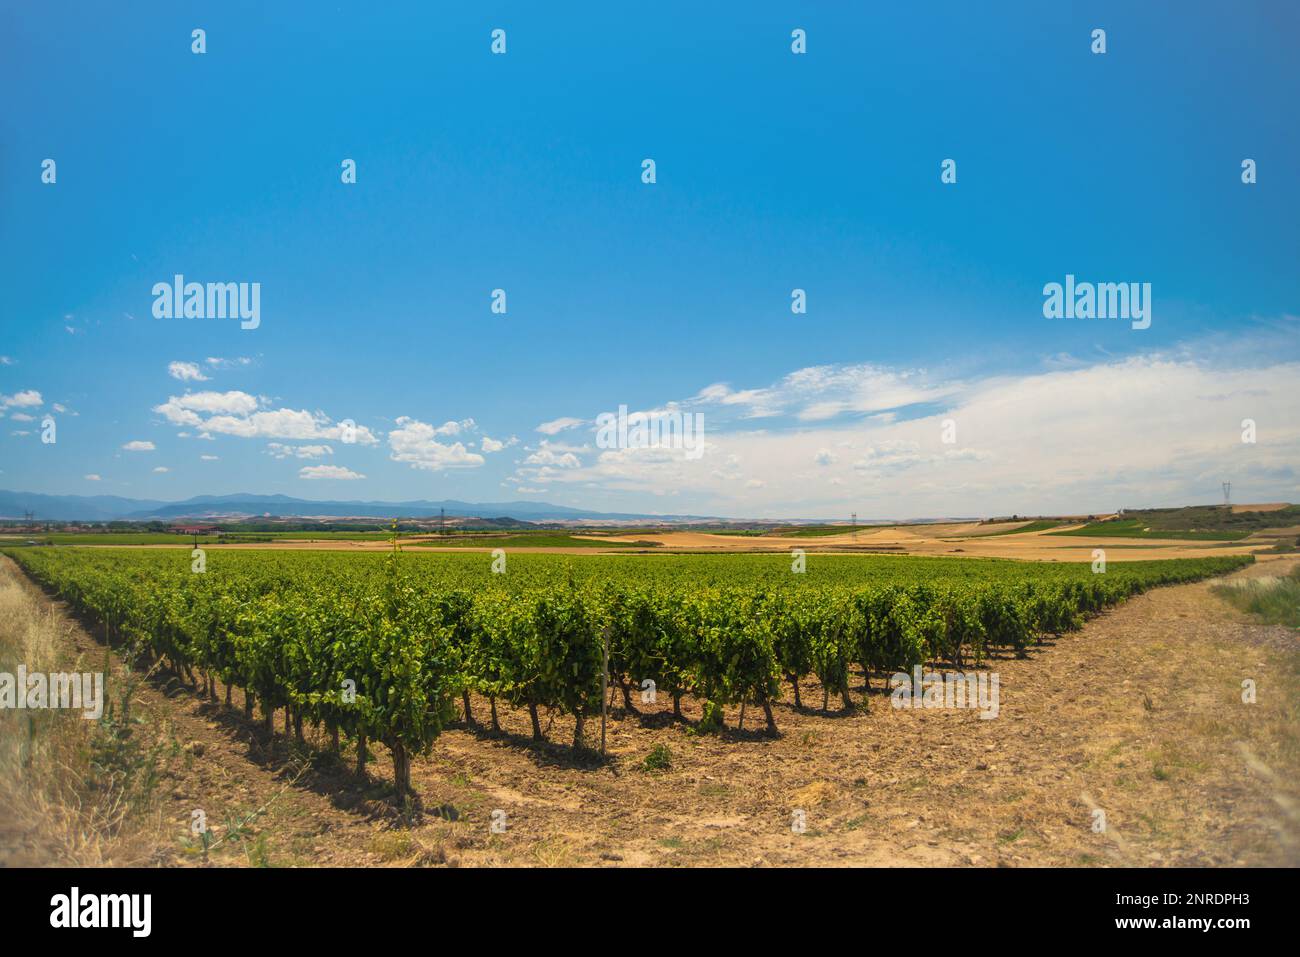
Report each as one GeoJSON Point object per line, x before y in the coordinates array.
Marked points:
{"type": "Point", "coordinates": [820, 393]}
{"type": "Point", "coordinates": [556, 426]}
{"type": "Point", "coordinates": [186, 372]}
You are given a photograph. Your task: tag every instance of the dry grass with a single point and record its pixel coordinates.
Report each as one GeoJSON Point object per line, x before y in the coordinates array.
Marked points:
{"type": "Point", "coordinates": [72, 791]}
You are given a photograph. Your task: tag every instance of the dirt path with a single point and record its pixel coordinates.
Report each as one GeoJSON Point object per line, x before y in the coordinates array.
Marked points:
{"type": "Point", "coordinates": [1139, 715]}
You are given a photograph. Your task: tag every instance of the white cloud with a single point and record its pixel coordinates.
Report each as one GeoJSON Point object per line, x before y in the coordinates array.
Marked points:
{"type": "Point", "coordinates": [328, 472]}
{"type": "Point", "coordinates": [239, 414]}
{"type": "Point", "coordinates": [456, 428]}
{"type": "Point", "coordinates": [559, 425]}
{"type": "Point", "coordinates": [549, 456]}
{"type": "Point", "coordinates": [27, 399]}
{"type": "Point", "coordinates": [493, 445]}
{"type": "Point", "coordinates": [22, 417]}
{"type": "Point", "coordinates": [6, 361]}
{"type": "Point", "coordinates": [416, 444]}
{"type": "Point", "coordinates": [208, 458]}
{"type": "Point", "coordinates": [92, 477]}
{"type": "Point", "coordinates": [186, 372]}
{"type": "Point", "coordinates": [139, 445]}
{"type": "Point", "coordinates": [162, 468]}
{"type": "Point", "coordinates": [188, 409]}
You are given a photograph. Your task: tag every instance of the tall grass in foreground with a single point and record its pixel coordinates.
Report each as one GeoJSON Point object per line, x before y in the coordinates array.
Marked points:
{"type": "Point", "coordinates": [72, 792]}
{"type": "Point", "coordinates": [1276, 599]}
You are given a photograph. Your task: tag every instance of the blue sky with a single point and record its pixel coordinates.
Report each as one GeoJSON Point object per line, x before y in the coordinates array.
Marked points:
{"type": "Point", "coordinates": [775, 171]}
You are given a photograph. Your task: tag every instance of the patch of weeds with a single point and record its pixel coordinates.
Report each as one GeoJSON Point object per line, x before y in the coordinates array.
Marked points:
{"type": "Point", "coordinates": [1010, 837]}
{"type": "Point", "coordinates": [711, 720]}
{"type": "Point", "coordinates": [391, 845]}
{"type": "Point", "coordinates": [121, 763]}
{"type": "Point", "coordinates": [258, 852]}
{"type": "Point", "coordinates": [448, 812]}
{"type": "Point", "coordinates": [659, 759]}
{"type": "Point", "coordinates": [672, 843]}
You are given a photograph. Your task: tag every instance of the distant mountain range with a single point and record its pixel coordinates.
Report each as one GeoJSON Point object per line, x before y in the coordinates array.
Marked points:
{"type": "Point", "coordinates": [105, 508]}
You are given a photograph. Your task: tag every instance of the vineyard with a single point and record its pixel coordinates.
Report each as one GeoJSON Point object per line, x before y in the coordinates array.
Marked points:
{"type": "Point", "coordinates": [389, 648]}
